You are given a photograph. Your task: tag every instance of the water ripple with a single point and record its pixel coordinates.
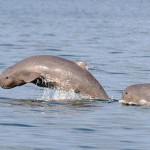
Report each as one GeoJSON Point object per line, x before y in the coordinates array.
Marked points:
{"type": "Point", "coordinates": [53, 49]}
{"type": "Point", "coordinates": [86, 130]}
{"type": "Point", "coordinates": [112, 37]}
{"type": "Point", "coordinates": [16, 124]}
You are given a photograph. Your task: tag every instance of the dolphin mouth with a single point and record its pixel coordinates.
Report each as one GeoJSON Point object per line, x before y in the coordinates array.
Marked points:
{"type": "Point", "coordinates": [7, 87]}
{"type": "Point", "coordinates": [2, 85]}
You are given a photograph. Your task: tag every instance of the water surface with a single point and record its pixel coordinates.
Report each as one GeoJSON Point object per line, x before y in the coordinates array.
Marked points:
{"type": "Point", "coordinates": [112, 36]}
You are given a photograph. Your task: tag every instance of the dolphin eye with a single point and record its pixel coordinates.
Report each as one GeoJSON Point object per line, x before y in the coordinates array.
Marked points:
{"type": "Point", "coordinates": [6, 78]}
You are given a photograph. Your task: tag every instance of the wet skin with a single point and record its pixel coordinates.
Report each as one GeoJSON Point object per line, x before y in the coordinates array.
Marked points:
{"type": "Point", "coordinates": [53, 72]}
{"type": "Point", "coordinates": [136, 93]}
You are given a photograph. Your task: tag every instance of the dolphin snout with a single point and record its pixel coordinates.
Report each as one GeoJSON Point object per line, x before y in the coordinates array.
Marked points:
{"type": "Point", "coordinates": [0, 81]}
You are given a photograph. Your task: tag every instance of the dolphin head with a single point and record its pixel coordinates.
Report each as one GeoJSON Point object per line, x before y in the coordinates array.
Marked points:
{"type": "Point", "coordinates": [133, 94]}
{"type": "Point", "coordinates": [136, 93]}
{"type": "Point", "coordinates": [128, 95]}
{"type": "Point", "coordinates": [9, 79]}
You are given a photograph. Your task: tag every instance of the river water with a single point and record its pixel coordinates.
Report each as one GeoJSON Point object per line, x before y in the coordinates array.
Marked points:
{"type": "Point", "coordinates": [112, 36]}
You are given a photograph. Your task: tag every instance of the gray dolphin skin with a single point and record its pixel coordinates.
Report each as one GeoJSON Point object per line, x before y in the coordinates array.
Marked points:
{"type": "Point", "coordinates": [137, 94]}
{"type": "Point", "coordinates": [53, 72]}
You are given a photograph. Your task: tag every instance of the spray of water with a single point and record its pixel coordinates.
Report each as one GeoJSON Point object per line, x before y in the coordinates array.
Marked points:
{"type": "Point", "coordinates": [57, 94]}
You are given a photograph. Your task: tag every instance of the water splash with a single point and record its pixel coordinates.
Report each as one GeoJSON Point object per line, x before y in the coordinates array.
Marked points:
{"type": "Point", "coordinates": [56, 94]}
{"type": "Point", "coordinates": [51, 93]}
{"type": "Point", "coordinates": [141, 102]}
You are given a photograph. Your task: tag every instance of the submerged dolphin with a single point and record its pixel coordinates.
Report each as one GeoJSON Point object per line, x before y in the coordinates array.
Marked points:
{"type": "Point", "coordinates": [137, 94]}
{"type": "Point", "coordinates": [53, 72]}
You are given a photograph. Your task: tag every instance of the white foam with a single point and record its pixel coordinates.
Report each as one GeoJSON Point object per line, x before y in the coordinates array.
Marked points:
{"type": "Point", "coordinates": [129, 103]}
{"type": "Point", "coordinates": [57, 94]}
{"type": "Point", "coordinates": [142, 102]}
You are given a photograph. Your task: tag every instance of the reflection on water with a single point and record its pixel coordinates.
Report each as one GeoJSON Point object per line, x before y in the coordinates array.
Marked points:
{"type": "Point", "coordinates": [76, 103]}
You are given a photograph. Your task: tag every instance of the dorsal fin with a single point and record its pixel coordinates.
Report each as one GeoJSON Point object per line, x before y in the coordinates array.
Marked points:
{"type": "Point", "coordinates": [82, 64]}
